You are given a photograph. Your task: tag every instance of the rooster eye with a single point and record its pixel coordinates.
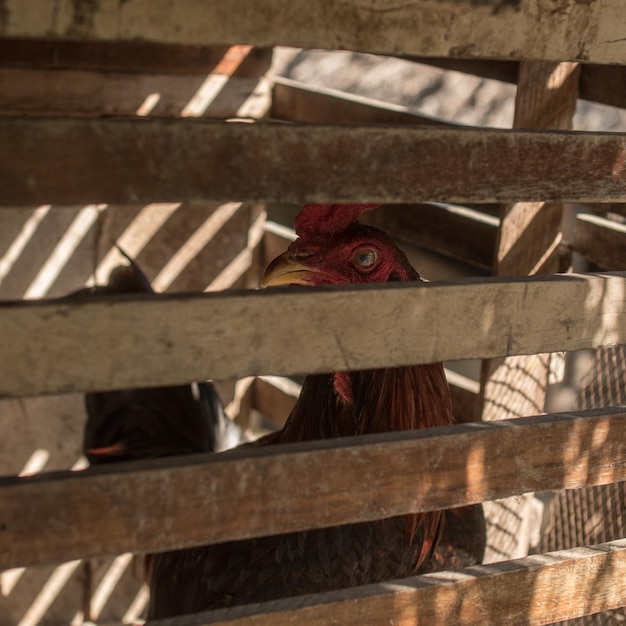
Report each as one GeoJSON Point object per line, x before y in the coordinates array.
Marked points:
{"type": "Point", "coordinates": [365, 258]}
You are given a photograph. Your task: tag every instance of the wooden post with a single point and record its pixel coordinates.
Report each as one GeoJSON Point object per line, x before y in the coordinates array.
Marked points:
{"type": "Point", "coordinates": [528, 243]}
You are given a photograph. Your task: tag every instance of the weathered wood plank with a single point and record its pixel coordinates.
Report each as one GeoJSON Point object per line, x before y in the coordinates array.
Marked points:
{"type": "Point", "coordinates": [609, 207]}
{"type": "Point", "coordinates": [605, 84]}
{"type": "Point", "coordinates": [102, 344]}
{"type": "Point", "coordinates": [535, 590]}
{"type": "Point", "coordinates": [61, 161]}
{"type": "Point", "coordinates": [135, 57]}
{"type": "Point", "coordinates": [546, 99]}
{"type": "Point", "coordinates": [70, 92]}
{"type": "Point", "coordinates": [528, 236]}
{"type": "Point", "coordinates": [521, 29]}
{"type": "Point", "coordinates": [296, 102]}
{"type": "Point", "coordinates": [464, 392]}
{"type": "Point", "coordinates": [165, 504]}
{"type": "Point", "coordinates": [459, 233]}
{"type": "Point", "coordinates": [231, 76]}
{"type": "Point", "coordinates": [601, 241]}
{"type": "Point", "coordinates": [527, 243]}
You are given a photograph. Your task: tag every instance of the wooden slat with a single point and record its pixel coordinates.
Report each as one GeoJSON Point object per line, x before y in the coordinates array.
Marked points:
{"type": "Point", "coordinates": [601, 241]}
{"type": "Point", "coordinates": [605, 84]}
{"type": "Point", "coordinates": [589, 31]}
{"type": "Point", "coordinates": [505, 71]}
{"type": "Point", "coordinates": [460, 233]}
{"type": "Point", "coordinates": [464, 392]}
{"type": "Point", "coordinates": [546, 99]}
{"type": "Point", "coordinates": [134, 56]}
{"type": "Point", "coordinates": [98, 344]}
{"type": "Point", "coordinates": [609, 207]}
{"type": "Point", "coordinates": [296, 102]}
{"type": "Point", "coordinates": [219, 89]}
{"type": "Point", "coordinates": [61, 161]}
{"type": "Point", "coordinates": [535, 590]}
{"type": "Point", "coordinates": [192, 500]}
{"type": "Point", "coordinates": [528, 240]}
{"type": "Point", "coordinates": [68, 92]}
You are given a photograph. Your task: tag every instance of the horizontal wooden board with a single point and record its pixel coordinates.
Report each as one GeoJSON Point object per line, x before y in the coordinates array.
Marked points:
{"type": "Point", "coordinates": [64, 161]}
{"type": "Point", "coordinates": [135, 57]}
{"type": "Point", "coordinates": [186, 501]}
{"type": "Point", "coordinates": [515, 29]}
{"type": "Point", "coordinates": [72, 92]}
{"type": "Point", "coordinates": [459, 233]}
{"type": "Point", "coordinates": [605, 84]}
{"type": "Point", "coordinates": [296, 102]}
{"type": "Point", "coordinates": [601, 241]}
{"type": "Point", "coordinates": [535, 590]}
{"type": "Point", "coordinates": [619, 208]}
{"type": "Point", "coordinates": [172, 339]}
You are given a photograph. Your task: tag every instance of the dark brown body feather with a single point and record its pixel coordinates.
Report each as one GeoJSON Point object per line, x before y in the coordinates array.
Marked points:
{"type": "Point", "coordinates": [312, 561]}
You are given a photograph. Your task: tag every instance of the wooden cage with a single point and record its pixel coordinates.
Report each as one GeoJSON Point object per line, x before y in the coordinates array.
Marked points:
{"type": "Point", "coordinates": [152, 122]}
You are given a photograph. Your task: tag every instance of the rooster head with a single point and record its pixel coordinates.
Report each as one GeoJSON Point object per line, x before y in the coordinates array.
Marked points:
{"type": "Point", "coordinates": [332, 248]}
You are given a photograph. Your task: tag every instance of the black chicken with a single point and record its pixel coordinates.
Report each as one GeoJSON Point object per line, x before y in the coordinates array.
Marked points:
{"type": "Point", "coordinates": [152, 422]}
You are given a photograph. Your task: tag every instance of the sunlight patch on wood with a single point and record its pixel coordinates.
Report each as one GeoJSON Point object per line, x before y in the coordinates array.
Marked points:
{"type": "Point", "coordinates": [108, 583]}
{"type": "Point", "coordinates": [64, 250]}
{"type": "Point", "coordinates": [216, 81]}
{"type": "Point", "coordinates": [134, 239]}
{"type": "Point", "coordinates": [242, 262]}
{"type": "Point", "coordinates": [192, 247]}
{"type": "Point", "coordinates": [21, 241]}
{"type": "Point", "coordinates": [36, 462]}
{"type": "Point", "coordinates": [147, 106]}
{"type": "Point", "coordinates": [49, 593]}
{"type": "Point", "coordinates": [137, 607]}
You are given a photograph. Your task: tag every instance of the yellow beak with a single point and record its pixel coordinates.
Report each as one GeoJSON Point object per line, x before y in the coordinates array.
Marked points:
{"type": "Point", "coordinates": [285, 270]}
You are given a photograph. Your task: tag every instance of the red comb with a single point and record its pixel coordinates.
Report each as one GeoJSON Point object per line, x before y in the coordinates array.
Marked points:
{"type": "Point", "coordinates": [328, 219]}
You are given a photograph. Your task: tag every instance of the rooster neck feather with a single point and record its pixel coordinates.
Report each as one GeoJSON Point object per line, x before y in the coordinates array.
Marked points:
{"type": "Point", "coordinates": [384, 400]}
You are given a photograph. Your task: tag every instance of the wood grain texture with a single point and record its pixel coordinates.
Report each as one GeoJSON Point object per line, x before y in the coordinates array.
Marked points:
{"type": "Point", "coordinates": [297, 102]}
{"type": "Point", "coordinates": [605, 84]}
{"type": "Point", "coordinates": [601, 241]}
{"type": "Point", "coordinates": [459, 233]}
{"type": "Point", "coordinates": [618, 208]}
{"type": "Point", "coordinates": [546, 99]}
{"type": "Point", "coordinates": [134, 57]}
{"type": "Point", "coordinates": [528, 237]}
{"type": "Point", "coordinates": [63, 161]}
{"type": "Point", "coordinates": [165, 340]}
{"type": "Point", "coordinates": [192, 500]}
{"type": "Point", "coordinates": [523, 591]}
{"type": "Point", "coordinates": [72, 92]}
{"type": "Point", "coordinates": [504, 29]}
{"type": "Point", "coordinates": [527, 244]}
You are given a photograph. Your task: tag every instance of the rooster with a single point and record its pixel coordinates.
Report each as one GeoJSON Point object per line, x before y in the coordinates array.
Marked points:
{"type": "Point", "coordinates": [333, 249]}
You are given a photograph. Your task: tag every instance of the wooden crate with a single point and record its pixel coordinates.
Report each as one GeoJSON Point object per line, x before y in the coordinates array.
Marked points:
{"type": "Point", "coordinates": [86, 148]}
